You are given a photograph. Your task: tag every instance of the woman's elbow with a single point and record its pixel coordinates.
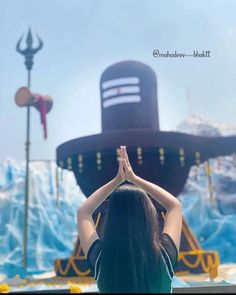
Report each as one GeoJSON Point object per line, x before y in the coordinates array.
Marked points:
{"type": "Point", "coordinates": [178, 206]}
{"type": "Point", "coordinates": [82, 212]}
{"type": "Point", "coordinates": [175, 205]}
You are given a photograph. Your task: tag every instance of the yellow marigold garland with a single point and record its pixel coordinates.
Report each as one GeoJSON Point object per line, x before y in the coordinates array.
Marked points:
{"type": "Point", "coordinates": [75, 289]}
{"type": "Point", "coordinates": [4, 288]}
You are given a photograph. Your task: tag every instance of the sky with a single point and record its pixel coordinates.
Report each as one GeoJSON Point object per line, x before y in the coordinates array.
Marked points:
{"type": "Point", "coordinates": [83, 38]}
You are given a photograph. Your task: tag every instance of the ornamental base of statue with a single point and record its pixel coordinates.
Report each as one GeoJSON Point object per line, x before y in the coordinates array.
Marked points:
{"type": "Point", "coordinates": [192, 259]}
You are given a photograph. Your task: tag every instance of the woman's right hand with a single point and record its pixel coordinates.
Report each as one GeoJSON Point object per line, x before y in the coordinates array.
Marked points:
{"type": "Point", "coordinates": [129, 173]}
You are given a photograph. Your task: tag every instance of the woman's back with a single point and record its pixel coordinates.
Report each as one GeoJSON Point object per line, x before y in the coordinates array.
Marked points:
{"type": "Point", "coordinates": [154, 276]}
{"type": "Point", "coordinates": [132, 255]}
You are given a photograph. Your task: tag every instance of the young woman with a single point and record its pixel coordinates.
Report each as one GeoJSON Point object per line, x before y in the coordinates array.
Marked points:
{"type": "Point", "coordinates": [132, 256]}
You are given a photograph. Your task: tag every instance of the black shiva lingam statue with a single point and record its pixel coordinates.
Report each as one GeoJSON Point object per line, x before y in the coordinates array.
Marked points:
{"type": "Point", "coordinates": [130, 117]}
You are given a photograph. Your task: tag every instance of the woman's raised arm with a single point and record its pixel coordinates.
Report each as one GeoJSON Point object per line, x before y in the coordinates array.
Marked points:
{"type": "Point", "coordinates": [87, 230]}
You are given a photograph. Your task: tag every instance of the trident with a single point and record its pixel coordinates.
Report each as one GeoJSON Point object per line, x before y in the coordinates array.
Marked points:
{"type": "Point", "coordinates": [28, 53]}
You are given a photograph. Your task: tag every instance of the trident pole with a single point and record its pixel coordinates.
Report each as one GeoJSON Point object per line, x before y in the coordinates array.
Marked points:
{"type": "Point", "coordinates": [28, 53]}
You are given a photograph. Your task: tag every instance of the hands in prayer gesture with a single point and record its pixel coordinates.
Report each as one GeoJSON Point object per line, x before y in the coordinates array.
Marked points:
{"type": "Point", "coordinates": [125, 171]}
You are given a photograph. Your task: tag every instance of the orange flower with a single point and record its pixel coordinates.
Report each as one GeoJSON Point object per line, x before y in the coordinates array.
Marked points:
{"type": "Point", "coordinates": [4, 288]}
{"type": "Point", "coordinates": [213, 273]}
{"type": "Point", "coordinates": [75, 289]}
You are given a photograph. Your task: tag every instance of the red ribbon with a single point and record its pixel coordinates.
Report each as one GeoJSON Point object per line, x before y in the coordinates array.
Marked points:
{"type": "Point", "coordinates": [42, 109]}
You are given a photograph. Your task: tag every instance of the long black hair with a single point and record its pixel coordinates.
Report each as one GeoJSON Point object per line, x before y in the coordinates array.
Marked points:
{"type": "Point", "coordinates": [130, 239]}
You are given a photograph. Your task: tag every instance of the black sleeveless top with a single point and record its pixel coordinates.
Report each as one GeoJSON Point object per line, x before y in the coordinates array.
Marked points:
{"type": "Point", "coordinates": [169, 258]}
